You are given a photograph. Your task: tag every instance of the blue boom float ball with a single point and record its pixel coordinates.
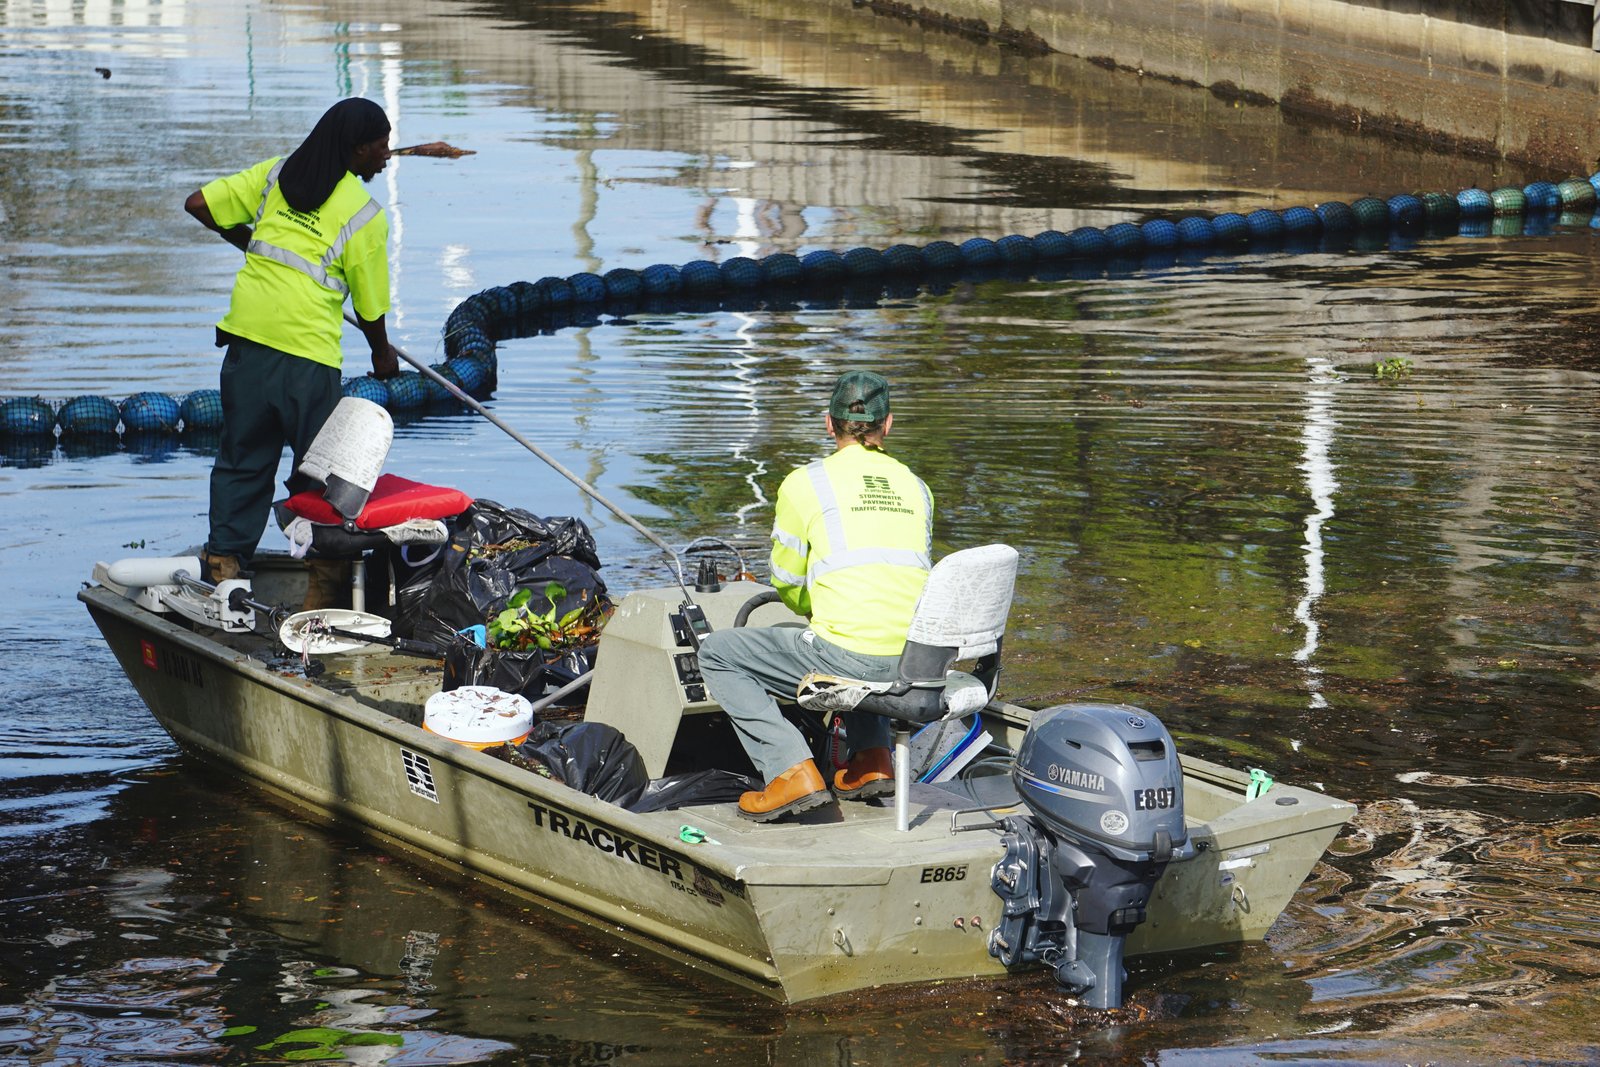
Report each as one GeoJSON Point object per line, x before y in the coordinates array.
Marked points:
{"type": "Point", "coordinates": [1474, 204]}
{"type": "Point", "coordinates": [471, 373]}
{"type": "Point", "coordinates": [366, 387]}
{"type": "Point", "coordinates": [700, 277]}
{"type": "Point", "coordinates": [1089, 242]}
{"type": "Point", "coordinates": [1159, 234]}
{"type": "Point", "coordinates": [782, 270]}
{"type": "Point", "coordinates": [1016, 250]}
{"type": "Point", "coordinates": [1051, 245]}
{"type": "Point", "coordinates": [1406, 213]}
{"type": "Point", "coordinates": [622, 284]}
{"type": "Point", "coordinates": [1265, 225]}
{"type": "Point", "coordinates": [557, 292]}
{"type": "Point", "coordinates": [587, 288]}
{"type": "Point", "coordinates": [1231, 228]}
{"type": "Point", "coordinates": [863, 264]}
{"type": "Point", "coordinates": [88, 415]}
{"type": "Point", "coordinates": [150, 413]}
{"type": "Point", "coordinates": [978, 253]}
{"type": "Point", "coordinates": [1542, 196]}
{"type": "Point", "coordinates": [201, 410]}
{"type": "Point", "coordinates": [824, 268]}
{"type": "Point", "coordinates": [741, 274]}
{"type": "Point", "coordinates": [901, 260]}
{"type": "Point", "coordinates": [941, 256]}
{"type": "Point", "coordinates": [406, 391]}
{"type": "Point", "coordinates": [1301, 222]}
{"type": "Point", "coordinates": [1196, 232]}
{"type": "Point", "coordinates": [661, 279]}
{"type": "Point", "coordinates": [1125, 239]}
{"type": "Point", "coordinates": [27, 416]}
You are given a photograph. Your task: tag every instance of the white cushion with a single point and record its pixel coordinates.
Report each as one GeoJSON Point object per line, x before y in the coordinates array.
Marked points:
{"type": "Point", "coordinates": [966, 601]}
{"type": "Point", "coordinates": [963, 695]}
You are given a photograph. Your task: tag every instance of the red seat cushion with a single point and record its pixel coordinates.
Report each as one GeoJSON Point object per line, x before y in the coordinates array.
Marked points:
{"type": "Point", "coordinates": [394, 500]}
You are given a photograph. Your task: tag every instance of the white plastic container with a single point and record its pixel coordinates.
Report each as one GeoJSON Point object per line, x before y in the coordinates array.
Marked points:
{"type": "Point", "coordinates": [141, 572]}
{"type": "Point", "coordinates": [478, 716]}
{"type": "Point", "coordinates": [347, 454]}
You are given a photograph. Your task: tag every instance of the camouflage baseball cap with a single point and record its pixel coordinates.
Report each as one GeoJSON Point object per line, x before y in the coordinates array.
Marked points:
{"type": "Point", "coordinates": [864, 386]}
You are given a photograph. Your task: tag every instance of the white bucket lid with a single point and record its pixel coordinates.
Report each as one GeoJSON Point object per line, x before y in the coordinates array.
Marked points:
{"type": "Point", "coordinates": [478, 715]}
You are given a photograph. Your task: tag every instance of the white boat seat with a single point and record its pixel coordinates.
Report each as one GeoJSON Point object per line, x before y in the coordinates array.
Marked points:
{"type": "Point", "coordinates": [961, 615]}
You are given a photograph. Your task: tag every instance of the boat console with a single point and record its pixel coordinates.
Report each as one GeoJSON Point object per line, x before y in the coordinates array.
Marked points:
{"type": "Point", "coordinates": [651, 675]}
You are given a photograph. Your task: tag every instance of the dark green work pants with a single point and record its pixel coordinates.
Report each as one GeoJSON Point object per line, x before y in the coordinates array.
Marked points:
{"type": "Point", "coordinates": [269, 399]}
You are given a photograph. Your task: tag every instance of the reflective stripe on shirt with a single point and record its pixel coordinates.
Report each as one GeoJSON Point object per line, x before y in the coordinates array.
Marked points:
{"type": "Point", "coordinates": [784, 576]}
{"type": "Point", "coordinates": [855, 557]}
{"type": "Point", "coordinates": [840, 554]}
{"type": "Point", "coordinates": [317, 272]}
{"type": "Point", "coordinates": [789, 540]}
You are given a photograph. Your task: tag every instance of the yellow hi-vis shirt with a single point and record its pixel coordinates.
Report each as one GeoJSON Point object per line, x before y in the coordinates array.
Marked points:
{"type": "Point", "coordinates": [852, 544]}
{"type": "Point", "coordinates": [301, 265]}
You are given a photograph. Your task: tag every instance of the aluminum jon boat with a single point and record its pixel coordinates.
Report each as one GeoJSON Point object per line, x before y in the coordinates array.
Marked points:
{"type": "Point", "coordinates": [1033, 855]}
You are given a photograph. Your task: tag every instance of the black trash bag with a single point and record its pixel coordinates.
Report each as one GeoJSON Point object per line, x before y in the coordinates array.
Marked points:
{"type": "Point", "coordinates": [489, 523]}
{"type": "Point", "coordinates": [414, 567]}
{"type": "Point", "coordinates": [711, 786]}
{"type": "Point", "coordinates": [590, 757]}
{"type": "Point", "coordinates": [532, 673]}
{"type": "Point", "coordinates": [473, 587]}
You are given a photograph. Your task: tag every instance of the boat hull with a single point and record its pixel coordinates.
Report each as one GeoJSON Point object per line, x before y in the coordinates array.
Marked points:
{"type": "Point", "coordinates": [795, 911]}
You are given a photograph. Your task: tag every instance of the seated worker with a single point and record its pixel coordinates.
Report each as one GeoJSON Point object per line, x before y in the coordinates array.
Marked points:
{"type": "Point", "coordinates": [851, 550]}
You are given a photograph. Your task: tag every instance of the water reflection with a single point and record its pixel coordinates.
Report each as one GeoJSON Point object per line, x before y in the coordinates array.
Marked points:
{"type": "Point", "coordinates": [1321, 483]}
{"type": "Point", "coordinates": [1382, 587]}
{"type": "Point", "coordinates": [147, 447]}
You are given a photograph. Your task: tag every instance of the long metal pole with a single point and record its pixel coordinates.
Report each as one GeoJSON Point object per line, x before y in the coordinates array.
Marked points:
{"type": "Point", "coordinates": [554, 464]}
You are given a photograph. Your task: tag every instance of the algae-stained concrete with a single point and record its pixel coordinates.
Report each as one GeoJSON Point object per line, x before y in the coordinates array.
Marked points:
{"type": "Point", "coordinates": [1514, 79]}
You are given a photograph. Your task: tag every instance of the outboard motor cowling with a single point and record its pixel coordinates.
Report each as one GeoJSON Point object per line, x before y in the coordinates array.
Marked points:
{"type": "Point", "coordinates": [1105, 791]}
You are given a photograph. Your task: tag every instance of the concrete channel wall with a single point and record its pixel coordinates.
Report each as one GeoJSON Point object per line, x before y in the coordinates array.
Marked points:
{"type": "Point", "coordinates": [1511, 79]}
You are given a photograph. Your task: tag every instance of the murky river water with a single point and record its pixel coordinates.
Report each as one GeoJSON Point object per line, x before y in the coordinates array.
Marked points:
{"type": "Point", "coordinates": [1382, 587]}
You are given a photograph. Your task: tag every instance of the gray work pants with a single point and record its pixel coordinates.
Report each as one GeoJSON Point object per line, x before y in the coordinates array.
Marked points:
{"type": "Point", "coordinates": [744, 667]}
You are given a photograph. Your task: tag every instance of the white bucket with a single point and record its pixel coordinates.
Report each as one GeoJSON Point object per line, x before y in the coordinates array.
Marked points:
{"type": "Point", "coordinates": [348, 452]}
{"type": "Point", "coordinates": [478, 716]}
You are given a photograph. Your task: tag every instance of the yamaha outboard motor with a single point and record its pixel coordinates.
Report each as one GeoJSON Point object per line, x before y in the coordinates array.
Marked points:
{"type": "Point", "coordinates": [1105, 790]}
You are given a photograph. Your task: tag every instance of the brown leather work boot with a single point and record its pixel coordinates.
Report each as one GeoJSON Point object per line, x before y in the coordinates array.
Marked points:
{"type": "Point", "coordinates": [870, 774]}
{"type": "Point", "coordinates": [216, 567]}
{"type": "Point", "coordinates": [327, 584]}
{"type": "Point", "coordinates": [800, 788]}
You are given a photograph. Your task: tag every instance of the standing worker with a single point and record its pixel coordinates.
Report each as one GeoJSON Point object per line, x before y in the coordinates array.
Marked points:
{"type": "Point", "coordinates": [851, 550]}
{"type": "Point", "coordinates": [318, 238]}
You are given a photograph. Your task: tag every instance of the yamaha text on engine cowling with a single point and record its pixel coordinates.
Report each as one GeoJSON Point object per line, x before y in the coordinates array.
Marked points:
{"type": "Point", "coordinates": [1105, 790]}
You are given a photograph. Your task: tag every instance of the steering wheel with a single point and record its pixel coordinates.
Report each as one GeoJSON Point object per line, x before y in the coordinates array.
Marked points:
{"type": "Point", "coordinates": [766, 596]}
